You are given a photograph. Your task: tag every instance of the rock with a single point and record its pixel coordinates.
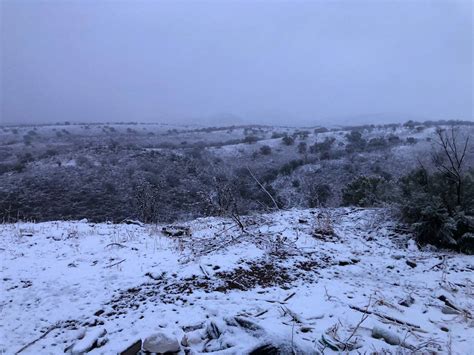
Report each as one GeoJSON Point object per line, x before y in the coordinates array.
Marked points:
{"type": "Point", "coordinates": [24, 233]}
{"type": "Point", "coordinates": [411, 245]}
{"type": "Point", "coordinates": [407, 302]}
{"type": "Point", "coordinates": [99, 312]}
{"type": "Point", "coordinates": [429, 248]}
{"type": "Point", "coordinates": [448, 302]}
{"type": "Point", "coordinates": [133, 349]}
{"type": "Point", "coordinates": [91, 340]}
{"type": "Point", "coordinates": [388, 336]}
{"type": "Point", "coordinates": [134, 222]}
{"type": "Point", "coordinates": [213, 331]}
{"type": "Point", "coordinates": [192, 327]}
{"type": "Point", "coordinates": [193, 338]}
{"type": "Point", "coordinates": [176, 231]}
{"type": "Point", "coordinates": [276, 349]}
{"type": "Point", "coordinates": [411, 263]}
{"type": "Point", "coordinates": [248, 324]}
{"type": "Point", "coordinates": [161, 342]}
{"type": "Point", "coordinates": [449, 310]}
{"type": "Point", "coordinates": [344, 262]}
{"type": "Point", "coordinates": [466, 243]}
{"type": "Point", "coordinates": [266, 349]}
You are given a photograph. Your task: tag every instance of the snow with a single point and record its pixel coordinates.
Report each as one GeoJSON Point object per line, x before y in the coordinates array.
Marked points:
{"type": "Point", "coordinates": [286, 281]}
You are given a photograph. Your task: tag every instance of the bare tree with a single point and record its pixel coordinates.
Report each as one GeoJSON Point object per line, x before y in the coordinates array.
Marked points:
{"type": "Point", "coordinates": [146, 198]}
{"type": "Point", "coordinates": [451, 157]}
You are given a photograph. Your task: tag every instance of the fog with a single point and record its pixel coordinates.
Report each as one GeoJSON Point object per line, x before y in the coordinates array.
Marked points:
{"type": "Point", "coordinates": [286, 63]}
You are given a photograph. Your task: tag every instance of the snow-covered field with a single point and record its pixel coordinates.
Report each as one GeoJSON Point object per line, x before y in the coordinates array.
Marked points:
{"type": "Point", "coordinates": [307, 281]}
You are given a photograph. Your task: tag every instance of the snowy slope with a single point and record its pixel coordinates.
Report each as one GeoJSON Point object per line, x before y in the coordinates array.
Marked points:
{"type": "Point", "coordinates": [305, 281]}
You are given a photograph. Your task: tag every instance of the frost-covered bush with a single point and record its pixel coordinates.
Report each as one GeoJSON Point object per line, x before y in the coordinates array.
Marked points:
{"type": "Point", "coordinates": [322, 147]}
{"type": "Point", "coordinates": [430, 203]}
{"type": "Point", "coordinates": [291, 166]}
{"type": "Point", "coordinates": [377, 143]}
{"type": "Point", "coordinates": [288, 140]}
{"type": "Point", "coordinates": [265, 150]}
{"type": "Point", "coordinates": [251, 139]}
{"type": "Point", "coordinates": [302, 147]}
{"type": "Point", "coordinates": [355, 142]}
{"type": "Point", "coordinates": [367, 191]}
{"type": "Point", "coordinates": [318, 195]}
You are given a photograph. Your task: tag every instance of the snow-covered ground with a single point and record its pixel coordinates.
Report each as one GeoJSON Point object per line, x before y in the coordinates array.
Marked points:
{"type": "Point", "coordinates": [312, 281]}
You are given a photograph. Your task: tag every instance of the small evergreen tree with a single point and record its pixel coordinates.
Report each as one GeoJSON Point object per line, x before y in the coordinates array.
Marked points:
{"type": "Point", "coordinates": [364, 191]}
{"type": "Point", "coordinates": [440, 205]}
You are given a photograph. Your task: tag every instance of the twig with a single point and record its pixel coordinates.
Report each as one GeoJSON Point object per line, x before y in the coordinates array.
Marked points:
{"type": "Point", "coordinates": [204, 271]}
{"type": "Point", "coordinates": [121, 261]}
{"type": "Point", "coordinates": [385, 317]}
{"type": "Point", "coordinates": [263, 188]}
{"type": "Point", "coordinates": [288, 297]}
{"type": "Point", "coordinates": [364, 317]}
{"type": "Point", "coordinates": [261, 313]}
{"type": "Point", "coordinates": [115, 244]}
{"type": "Point", "coordinates": [39, 338]}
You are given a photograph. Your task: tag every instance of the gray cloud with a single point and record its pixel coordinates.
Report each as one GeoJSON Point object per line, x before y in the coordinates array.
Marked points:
{"type": "Point", "coordinates": [265, 62]}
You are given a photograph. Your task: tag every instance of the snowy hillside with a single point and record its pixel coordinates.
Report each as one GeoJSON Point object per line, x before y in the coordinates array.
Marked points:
{"type": "Point", "coordinates": [308, 281]}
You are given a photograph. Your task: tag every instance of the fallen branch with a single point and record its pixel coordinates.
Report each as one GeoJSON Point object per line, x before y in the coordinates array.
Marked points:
{"type": "Point", "coordinates": [288, 297]}
{"type": "Point", "coordinates": [121, 261]}
{"type": "Point", "coordinates": [261, 313]}
{"type": "Point", "coordinates": [39, 338]}
{"type": "Point", "coordinates": [292, 314]}
{"type": "Point", "coordinates": [395, 320]}
{"type": "Point", "coordinates": [204, 271]}
{"type": "Point", "coordinates": [116, 245]}
{"type": "Point", "coordinates": [364, 317]}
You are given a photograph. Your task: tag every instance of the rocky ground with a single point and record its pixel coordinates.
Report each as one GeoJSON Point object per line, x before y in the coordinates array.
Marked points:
{"type": "Point", "coordinates": [312, 281]}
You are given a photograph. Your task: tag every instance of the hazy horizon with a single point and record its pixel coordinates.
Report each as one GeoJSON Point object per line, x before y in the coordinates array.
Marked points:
{"type": "Point", "coordinates": [240, 62]}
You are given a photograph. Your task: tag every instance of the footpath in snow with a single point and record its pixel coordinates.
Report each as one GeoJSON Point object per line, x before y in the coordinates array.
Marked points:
{"type": "Point", "coordinates": [304, 282]}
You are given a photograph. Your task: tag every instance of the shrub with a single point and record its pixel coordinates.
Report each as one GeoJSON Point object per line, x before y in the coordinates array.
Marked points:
{"type": "Point", "coordinates": [377, 143]}
{"type": "Point", "coordinates": [319, 195]}
{"type": "Point", "coordinates": [393, 139]}
{"type": "Point", "coordinates": [429, 203]}
{"type": "Point", "coordinates": [287, 140]}
{"type": "Point", "coordinates": [302, 148]}
{"type": "Point", "coordinates": [355, 142]}
{"type": "Point", "coordinates": [302, 134]}
{"type": "Point", "coordinates": [365, 191]}
{"type": "Point", "coordinates": [265, 150]}
{"type": "Point", "coordinates": [276, 135]}
{"type": "Point", "coordinates": [291, 166]}
{"type": "Point", "coordinates": [322, 147]}
{"type": "Point", "coordinates": [320, 130]}
{"type": "Point", "coordinates": [250, 139]}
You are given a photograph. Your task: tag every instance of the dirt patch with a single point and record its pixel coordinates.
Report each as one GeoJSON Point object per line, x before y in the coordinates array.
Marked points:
{"type": "Point", "coordinates": [262, 274]}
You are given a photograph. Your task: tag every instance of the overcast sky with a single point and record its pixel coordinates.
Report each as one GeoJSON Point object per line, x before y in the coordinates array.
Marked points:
{"type": "Point", "coordinates": [233, 62]}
